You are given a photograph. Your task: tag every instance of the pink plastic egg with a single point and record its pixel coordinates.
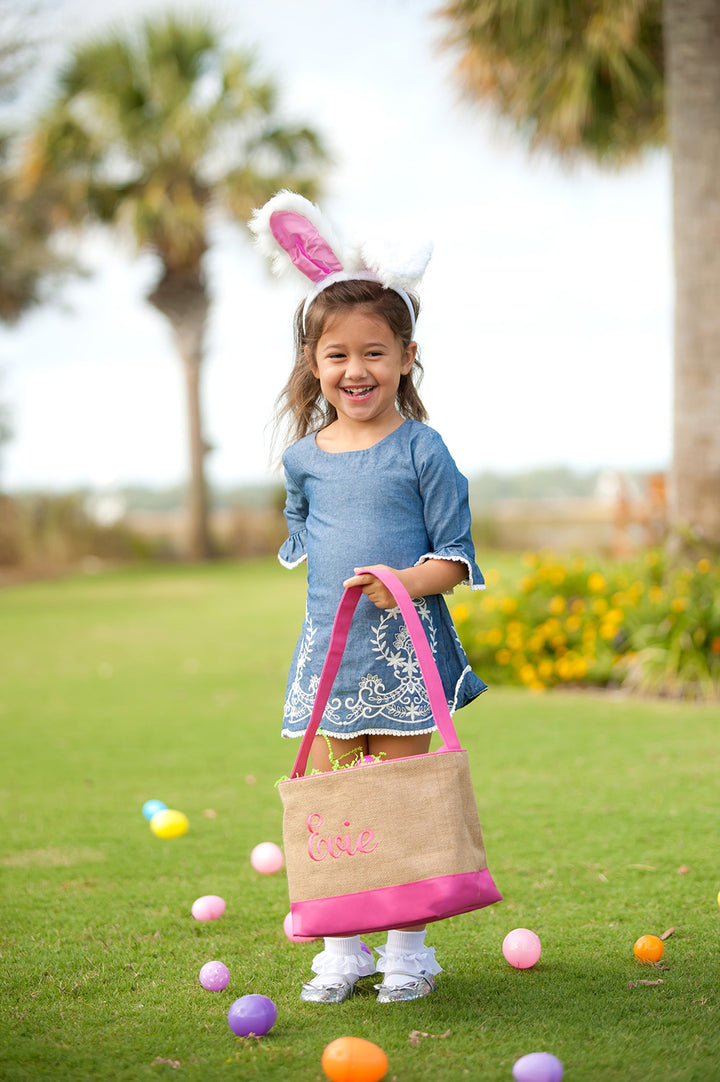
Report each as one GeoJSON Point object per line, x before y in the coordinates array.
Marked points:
{"type": "Point", "coordinates": [209, 907]}
{"type": "Point", "coordinates": [288, 929]}
{"type": "Point", "coordinates": [214, 976]}
{"type": "Point", "coordinates": [521, 948]}
{"type": "Point", "coordinates": [267, 858]}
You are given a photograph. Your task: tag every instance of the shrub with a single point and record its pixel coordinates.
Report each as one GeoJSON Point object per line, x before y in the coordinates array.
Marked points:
{"type": "Point", "coordinates": [648, 626]}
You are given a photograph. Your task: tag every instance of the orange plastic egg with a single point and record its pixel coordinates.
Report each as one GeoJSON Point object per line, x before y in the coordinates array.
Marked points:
{"type": "Point", "coordinates": [649, 948]}
{"type": "Point", "coordinates": [352, 1059]}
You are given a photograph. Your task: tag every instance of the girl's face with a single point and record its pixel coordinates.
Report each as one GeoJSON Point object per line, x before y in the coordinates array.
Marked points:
{"type": "Point", "coordinates": [359, 362]}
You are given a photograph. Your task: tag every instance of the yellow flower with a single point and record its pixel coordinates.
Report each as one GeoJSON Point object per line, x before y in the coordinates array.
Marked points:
{"type": "Point", "coordinates": [527, 583]}
{"type": "Point", "coordinates": [488, 604]}
{"type": "Point", "coordinates": [599, 606]}
{"type": "Point", "coordinates": [573, 623]}
{"type": "Point", "coordinates": [545, 668]}
{"type": "Point", "coordinates": [527, 674]}
{"type": "Point", "coordinates": [494, 636]}
{"type": "Point", "coordinates": [460, 613]}
{"type": "Point", "coordinates": [703, 566]}
{"type": "Point", "coordinates": [580, 668]}
{"type": "Point", "coordinates": [492, 577]}
{"type": "Point", "coordinates": [656, 594]}
{"type": "Point", "coordinates": [503, 657]}
{"type": "Point", "coordinates": [596, 582]}
{"type": "Point", "coordinates": [564, 668]}
{"type": "Point", "coordinates": [508, 606]}
{"type": "Point", "coordinates": [556, 605]}
{"type": "Point", "coordinates": [578, 605]}
{"type": "Point", "coordinates": [679, 604]}
{"type": "Point", "coordinates": [556, 576]}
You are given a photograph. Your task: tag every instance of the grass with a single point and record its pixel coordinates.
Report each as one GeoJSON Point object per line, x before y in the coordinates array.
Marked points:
{"type": "Point", "coordinates": [599, 814]}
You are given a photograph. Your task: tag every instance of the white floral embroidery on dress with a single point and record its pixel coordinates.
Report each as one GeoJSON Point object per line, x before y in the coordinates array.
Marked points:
{"type": "Point", "coordinates": [405, 700]}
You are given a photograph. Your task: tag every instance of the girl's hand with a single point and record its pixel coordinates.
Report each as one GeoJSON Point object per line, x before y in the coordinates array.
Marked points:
{"type": "Point", "coordinates": [430, 577]}
{"type": "Point", "coordinates": [374, 589]}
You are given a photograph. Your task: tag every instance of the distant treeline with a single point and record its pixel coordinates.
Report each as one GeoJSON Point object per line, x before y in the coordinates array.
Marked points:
{"type": "Point", "coordinates": [547, 482]}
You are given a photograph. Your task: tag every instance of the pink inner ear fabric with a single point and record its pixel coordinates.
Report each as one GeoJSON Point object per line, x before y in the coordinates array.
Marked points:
{"type": "Point", "coordinates": [309, 252]}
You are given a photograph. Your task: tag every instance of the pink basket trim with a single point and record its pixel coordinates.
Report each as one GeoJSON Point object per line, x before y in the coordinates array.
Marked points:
{"type": "Point", "coordinates": [376, 910]}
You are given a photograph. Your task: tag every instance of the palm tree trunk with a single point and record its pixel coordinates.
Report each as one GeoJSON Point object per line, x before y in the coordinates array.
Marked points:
{"type": "Point", "coordinates": [692, 45]}
{"type": "Point", "coordinates": [199, 547]}
{"type": "Point", "coordinates": [183, 299]}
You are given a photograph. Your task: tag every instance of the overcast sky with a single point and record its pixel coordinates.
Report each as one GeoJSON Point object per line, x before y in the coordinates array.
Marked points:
{"type": "Point", "coordinates": [547, 307]}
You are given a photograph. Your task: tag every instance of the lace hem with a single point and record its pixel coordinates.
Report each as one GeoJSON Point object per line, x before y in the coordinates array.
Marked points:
{"type": "Point", "coordinates": [356, 965]}
{"type": "Point", "coordinates": [364, 732]}
{"type": "Point", "coordinates": [414, 963]}
{"type": "Point", "coordinates": [449, 555]}
{"type": "Point", "coordinates": [293, 551]}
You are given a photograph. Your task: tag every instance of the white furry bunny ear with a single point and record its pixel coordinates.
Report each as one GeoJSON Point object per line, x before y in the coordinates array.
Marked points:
{"type": "Point", "coordinates": [396, 265]}
{"type": "Point", "coordinates": [294, 234]}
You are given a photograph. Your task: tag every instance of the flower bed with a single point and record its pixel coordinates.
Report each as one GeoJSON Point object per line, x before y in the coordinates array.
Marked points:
{"type": "Point", "coordinates": [649, 626]}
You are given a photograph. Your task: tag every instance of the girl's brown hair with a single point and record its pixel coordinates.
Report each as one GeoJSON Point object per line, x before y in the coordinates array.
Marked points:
{"type": "Point", "coordinates": [301, 407]}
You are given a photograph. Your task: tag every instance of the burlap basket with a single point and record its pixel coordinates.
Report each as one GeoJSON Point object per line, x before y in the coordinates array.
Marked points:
{"type": "Point", "coordinates": [388, 843]}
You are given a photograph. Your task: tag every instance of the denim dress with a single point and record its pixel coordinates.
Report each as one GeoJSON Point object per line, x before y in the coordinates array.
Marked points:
{"type": "Point", "coordinates": [400, 502]}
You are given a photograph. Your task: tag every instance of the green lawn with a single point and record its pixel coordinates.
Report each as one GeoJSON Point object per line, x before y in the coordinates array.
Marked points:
{"type": "Point", "coordinates": [599, 813]}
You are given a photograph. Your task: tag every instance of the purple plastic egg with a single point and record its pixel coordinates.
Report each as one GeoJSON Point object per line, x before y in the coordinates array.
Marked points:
{"type": "Point", "coordinates": [214, 976]}
{"type": "Point", "coordinates": [252, 1016]}
{"type": "Point", "coordinates": [538, 1067]}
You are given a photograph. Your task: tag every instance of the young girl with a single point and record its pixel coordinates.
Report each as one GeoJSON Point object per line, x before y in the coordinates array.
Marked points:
{"type": "Point", "coordinates": [368, 483]}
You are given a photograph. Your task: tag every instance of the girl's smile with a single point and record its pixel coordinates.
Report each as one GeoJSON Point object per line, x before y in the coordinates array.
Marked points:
{"type": "Point", "coordinates": [359, 362]}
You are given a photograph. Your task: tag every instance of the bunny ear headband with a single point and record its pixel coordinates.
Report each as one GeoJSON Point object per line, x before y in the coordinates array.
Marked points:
{"type": "Point", "coordinates": [293, 232]}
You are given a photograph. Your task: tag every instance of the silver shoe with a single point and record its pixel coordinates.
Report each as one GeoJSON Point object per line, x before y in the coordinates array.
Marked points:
{"type": "Point", "coordinates": [327, 993]}
{"type": "Point", "coordinates": [416, 988]}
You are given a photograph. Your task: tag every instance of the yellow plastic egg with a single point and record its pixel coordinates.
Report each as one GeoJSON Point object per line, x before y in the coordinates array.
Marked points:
{"type": "Point", "coordinates": [169, 823]}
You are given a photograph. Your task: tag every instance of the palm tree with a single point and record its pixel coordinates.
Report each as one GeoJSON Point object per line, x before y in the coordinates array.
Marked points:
{"type": "Point", "coordinates": [607, 79]}
{"type": "Point", "coordinates": [161, 134]}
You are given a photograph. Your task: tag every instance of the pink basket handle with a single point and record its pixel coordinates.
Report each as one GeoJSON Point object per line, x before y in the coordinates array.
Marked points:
{"type": "Point", "coordinates": [336, 649]}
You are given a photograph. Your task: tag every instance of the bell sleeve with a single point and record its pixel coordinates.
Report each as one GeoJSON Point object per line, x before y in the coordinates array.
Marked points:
{"type": "Point", "coordinates": [444, 492]}
{"type": "Point", "coordinates": [293, 551]}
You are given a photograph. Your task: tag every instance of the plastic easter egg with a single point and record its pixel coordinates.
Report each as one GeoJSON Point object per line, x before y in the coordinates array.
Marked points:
{"type": "Point", "coordinates": [649, 948]}
{"type": "Point", "coordinates": [252, 1016]}
{"type": "Point", "coordinates": [169, 823]}
{"type": "Point", "coordinates": [209, 907]}
{"type": "Point", "coordinates": [267, 858]}
{"type": "Point", "coordinates": [521, 948]}
{"type": "Point", "coordinates": [353, 1059]}
{"type": "Point", "coordinates": [151, 807]}
{"type": "Point", "coordinates": [538, 1067]}
{"type": "Point", "coordinates": [288, 929]}
{"type": "Point", "coordinates": [214, 976]}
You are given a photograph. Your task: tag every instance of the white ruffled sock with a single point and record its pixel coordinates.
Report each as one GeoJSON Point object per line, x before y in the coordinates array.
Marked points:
{"type": "Point", "coordinates": [342, 957]}
{"type": "Point", "coordinates": [405, 956]}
